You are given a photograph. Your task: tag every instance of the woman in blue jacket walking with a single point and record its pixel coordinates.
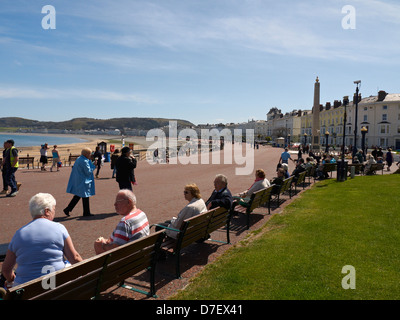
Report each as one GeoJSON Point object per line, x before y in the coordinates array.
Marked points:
{"type": "Point", "coordinates": [81, 182]}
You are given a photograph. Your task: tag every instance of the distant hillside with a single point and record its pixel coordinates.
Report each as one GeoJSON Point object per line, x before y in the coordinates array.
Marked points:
{"type": "Point", "coordinates": [92, 124]}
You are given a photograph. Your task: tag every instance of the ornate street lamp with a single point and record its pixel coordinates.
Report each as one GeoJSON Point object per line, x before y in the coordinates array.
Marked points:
{"type": "Point", "coordinates": [288, 138]}
{"type": "Point", "coordinates": [326, 141]}
{"type": "Point", "coordinates": [342, 173]}
{"type": "Point", "coordinates": [356, 100]}
{"type": "Point", "coordinates": [305, 139]}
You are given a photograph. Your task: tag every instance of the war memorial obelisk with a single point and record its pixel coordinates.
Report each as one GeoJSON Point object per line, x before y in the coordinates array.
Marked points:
{"type": "Point", "coordinates": [315, 145]}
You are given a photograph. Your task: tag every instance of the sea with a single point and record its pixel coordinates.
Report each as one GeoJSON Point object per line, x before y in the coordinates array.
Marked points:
{"type": "Point", "coordinates": [21, 140]}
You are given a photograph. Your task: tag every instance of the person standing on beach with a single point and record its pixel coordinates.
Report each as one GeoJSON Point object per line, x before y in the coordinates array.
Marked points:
{"type": "Point", "coordinates": [10, 165]}
{"type": "Point", "coordinates": [81, 183]}
{"type": "Point", "coordinates": [125, 165]}
{"type": "Point", "coordinates": [43, 156]}
{"type": "Point", "coordinates": [97, 157]}
{"type": "Point", "coordinates": [56, 158]}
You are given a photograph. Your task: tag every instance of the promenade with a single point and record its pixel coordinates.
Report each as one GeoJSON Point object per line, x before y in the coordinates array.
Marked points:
{"type": "Point", "coordinates": [159, 194]}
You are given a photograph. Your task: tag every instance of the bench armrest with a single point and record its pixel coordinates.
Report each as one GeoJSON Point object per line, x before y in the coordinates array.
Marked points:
{"type": "Point", "coordinates": [164, 227]}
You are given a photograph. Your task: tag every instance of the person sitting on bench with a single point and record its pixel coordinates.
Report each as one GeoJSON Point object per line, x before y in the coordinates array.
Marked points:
{"type": "Point", "coordinates": [132, 226]}
{"type": "Point", "coordinates": [39, 246]}
{"type": "Point", "coordinates": [260, 183]}
{"type": "Point", "coordinates": [195, 206]}
{"type": "Point", "coordinates": [221, 196]}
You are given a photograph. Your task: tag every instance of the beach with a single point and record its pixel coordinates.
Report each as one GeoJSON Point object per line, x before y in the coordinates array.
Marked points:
{"type": "Point", "coordinates": [91, 141]}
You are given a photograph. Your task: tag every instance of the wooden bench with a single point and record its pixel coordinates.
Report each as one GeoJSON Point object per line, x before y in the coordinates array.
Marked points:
{"type": "Point", "coordinates": [310, 173]}
{"type": "Point", "coordinates": [285, 186]}
{"type": "Point", "coordinates": [301, 179]}
{"type": "Point", "coordinates": [27, 161]}
{"type": "Point", "coordinates": [257, 199]}
{"type": "Point", "coordinates": [358, 168]}
{"type": "Point", "coordinates": [72, 158]}
{"type": "Point", "coordinates": [375, 167]}
{"type": "Point", "coordinates": [195, 229]}
{"type": "Point", "coordinates": [328, 168]}
{"type": "Point", "coordinates": [88, 278]}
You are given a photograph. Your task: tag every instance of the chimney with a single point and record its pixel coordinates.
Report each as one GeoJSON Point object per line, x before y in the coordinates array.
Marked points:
{"type": "Point", "coordinates": [381, 95]}
{"type": "Point", "coordinates": [337, 104]}
{"type": "Point", "coordinates": [327, 106]}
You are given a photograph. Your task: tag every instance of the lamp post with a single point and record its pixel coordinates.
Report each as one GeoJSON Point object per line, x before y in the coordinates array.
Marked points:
{"type": "Point", "coordinates": [364, 130]}
{"type": "Point", "coordinates": [355, 121]}
{"type": "Point", "coordinates": [326, 141]}
{"type": "Point", "coordinates": [288, 140]}
{"type": "Point", "coordinates": [343, 171]}
{"type": "Point", "coordinates": [305, 139]}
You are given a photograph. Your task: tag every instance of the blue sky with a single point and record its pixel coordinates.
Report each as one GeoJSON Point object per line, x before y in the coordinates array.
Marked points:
{"type": "Point", "coordinates": [198, 60]}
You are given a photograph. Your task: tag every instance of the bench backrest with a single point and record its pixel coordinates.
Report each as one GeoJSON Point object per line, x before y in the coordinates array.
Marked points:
{"type": "Point", "coordinates": [328, 167]}
{"type": "Point", "coordinates": [218, 219]}
{"type": "Point", "coordinates": [301, 178]}
{"type": "Point", "coordinates": [267, 194]}
{"type": "Point", "coordinates": [90, 277]}
{"type": "Point", "coordinates": [198, 227]}
{"type": "Point", "coordinates": [286, 184]}
{"type": "Point", "coordinates": [256, 200]}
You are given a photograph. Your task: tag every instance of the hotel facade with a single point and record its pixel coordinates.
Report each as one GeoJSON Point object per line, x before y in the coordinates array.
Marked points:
{"type": "Point", "coordinates": [378, 115]}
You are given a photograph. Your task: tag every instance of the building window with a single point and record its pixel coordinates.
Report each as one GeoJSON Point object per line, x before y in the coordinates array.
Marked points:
{"type": "Point", "coordinates": [384, 128]}
{"type": "Point", "coordinates": [384, 107]}
{"type": "Point", "coordinates": [365, 117]}
{"type": "Point", "coordinates": [384, 117]}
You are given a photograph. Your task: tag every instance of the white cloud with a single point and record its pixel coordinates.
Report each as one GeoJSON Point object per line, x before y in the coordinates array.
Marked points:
{"type": "Point", "coordinates": [88, 94]}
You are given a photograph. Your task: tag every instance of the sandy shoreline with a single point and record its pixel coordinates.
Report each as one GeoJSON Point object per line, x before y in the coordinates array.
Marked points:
{"type": "Point", "coordinates": [75, 148]}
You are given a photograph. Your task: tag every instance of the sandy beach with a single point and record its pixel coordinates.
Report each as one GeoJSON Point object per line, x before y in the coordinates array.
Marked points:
{"type": "Point", "coordinates": [75, 148]}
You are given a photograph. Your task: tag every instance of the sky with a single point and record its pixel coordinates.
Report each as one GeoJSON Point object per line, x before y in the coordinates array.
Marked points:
{"type": "Point", "coordinates": [205, 61]}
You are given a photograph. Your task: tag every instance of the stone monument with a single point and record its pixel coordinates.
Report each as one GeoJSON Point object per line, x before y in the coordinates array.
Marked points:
{"type": "Point", "coordinates": [315, 143]}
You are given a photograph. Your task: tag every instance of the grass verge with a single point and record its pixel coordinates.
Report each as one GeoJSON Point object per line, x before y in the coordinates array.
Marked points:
{"type": "Point", "coordinates": [300, 253]}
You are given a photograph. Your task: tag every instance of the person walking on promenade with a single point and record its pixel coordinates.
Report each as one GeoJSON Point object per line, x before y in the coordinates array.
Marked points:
{"type": "Point", "coordinates": [81, 182]}
{"type": "Point", "coordinates": [126, 165]}
{"type": "Point", "coordinates": [114, 158]}
{"type": "Point", "coordinates": [389, 158]}
{"type": "Point", "coordinates": [132, 226]}
{"type": "Point", "coordinates": [56, 158]}
{"type": "Point", "coordinates": [42, 242]}
{"type": "Point", "coordinates": [10, 166]}
{"type": "Point", "coordinates": [43, 156]}
{"type": "Point", "coordinates": [285, 156]}
{"type": "Point", "coordinates": [97, 158]}
{"type": "Point", "coordinates": [3, 171]}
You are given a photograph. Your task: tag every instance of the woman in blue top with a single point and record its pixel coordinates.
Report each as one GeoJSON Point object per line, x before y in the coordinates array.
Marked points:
{"type": "Point", "coordinates": [39, 246]}
{"type": "Point", "coordinates": [81, 182]}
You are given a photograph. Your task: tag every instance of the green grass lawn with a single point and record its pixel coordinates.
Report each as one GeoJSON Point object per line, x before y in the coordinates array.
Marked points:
{"type": "Point", "coordinates": [300, 253]}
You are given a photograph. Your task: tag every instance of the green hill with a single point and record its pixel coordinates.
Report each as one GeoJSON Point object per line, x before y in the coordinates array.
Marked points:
{"type": "Point", "coordinates": [91, 124]}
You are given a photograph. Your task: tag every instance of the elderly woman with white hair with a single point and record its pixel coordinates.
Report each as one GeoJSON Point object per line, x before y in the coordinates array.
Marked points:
{"type": "Point", "coordinates": [40, 245]}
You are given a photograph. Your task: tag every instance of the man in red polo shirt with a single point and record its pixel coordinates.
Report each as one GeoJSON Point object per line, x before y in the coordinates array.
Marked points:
{"type": "Point", "coordinates": [132, 226]}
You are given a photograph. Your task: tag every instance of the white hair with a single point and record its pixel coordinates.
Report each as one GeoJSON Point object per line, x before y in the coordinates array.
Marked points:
{"type": "Point", "coordinates": [40, 202]}
{"type": "Point", "coordinates": [128, 195]}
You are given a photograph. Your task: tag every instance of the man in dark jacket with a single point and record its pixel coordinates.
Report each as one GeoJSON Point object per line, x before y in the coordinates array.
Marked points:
{"type": "Point", "coordinates": [221, 196]}
{"type": "Point", "coordinates": [125, 169]}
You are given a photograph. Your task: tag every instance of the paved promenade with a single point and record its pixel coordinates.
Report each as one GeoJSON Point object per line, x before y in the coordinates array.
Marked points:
{"type": "Point", "coordinates": [159, 194]}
